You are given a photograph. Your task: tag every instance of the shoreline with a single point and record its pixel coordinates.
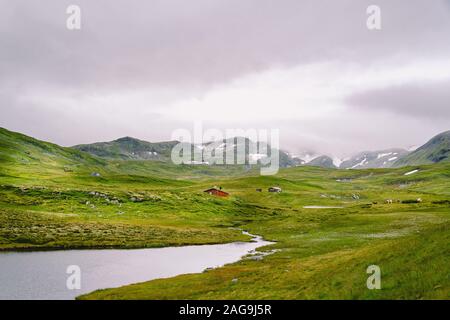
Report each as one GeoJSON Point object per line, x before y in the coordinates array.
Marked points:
{"type": "Point", "coordinates": [119, 247]}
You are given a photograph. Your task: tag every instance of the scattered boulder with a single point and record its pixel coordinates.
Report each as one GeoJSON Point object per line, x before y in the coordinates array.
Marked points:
{"type": "Point", "coordinates": [136, 199]}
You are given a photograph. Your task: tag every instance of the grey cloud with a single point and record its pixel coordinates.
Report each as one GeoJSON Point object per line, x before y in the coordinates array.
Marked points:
{"type": "Point", "coordinates": [68, 129]}
{"type": "Point", "coordinates": [427, 100]}
{"type": "Point", "coordinates": [190, 46]}
{"type": "Point", "coordinates": [173, 42]}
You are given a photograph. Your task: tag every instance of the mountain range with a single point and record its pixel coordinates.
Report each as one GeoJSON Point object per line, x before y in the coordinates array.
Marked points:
{"type": "Point", "coordinates": [374, 159]}
{"type": "Point", "coordinates": [127, 148]}
{"type": "Point", "coordinates": [435, 150]}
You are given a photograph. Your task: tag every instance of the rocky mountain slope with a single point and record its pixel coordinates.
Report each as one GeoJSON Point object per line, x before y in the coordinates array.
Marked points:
{"type": "Point", "coordinates": [374, 159]}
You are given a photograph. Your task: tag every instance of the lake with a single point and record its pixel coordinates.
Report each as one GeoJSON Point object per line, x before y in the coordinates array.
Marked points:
{"type": "Point", "coordinates": [42, 275]}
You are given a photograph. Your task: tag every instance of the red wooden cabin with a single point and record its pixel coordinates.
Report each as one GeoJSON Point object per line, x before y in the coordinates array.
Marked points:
{"type": "Point", "coordinates": [217, 192]}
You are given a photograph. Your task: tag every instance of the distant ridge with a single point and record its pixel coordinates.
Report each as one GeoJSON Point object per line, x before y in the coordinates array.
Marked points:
{"type": "Point", "coordinates": [322, 161]}
{"type": "Point", "coordinates": [128, 148]}
{"type": "Point", "coordinates": [19, 148]}
{"type": "Point", "coordinates": [374, 159]}
{"type": "Point", "coordinates": [434, 151]}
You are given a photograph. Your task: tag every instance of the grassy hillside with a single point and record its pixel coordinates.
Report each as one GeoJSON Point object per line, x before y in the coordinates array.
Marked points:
{"type": "Point", "coordinates": [25, 157]}
{"type": "Point", "coordinates": [435, 150]}
{"type": "Point", "coordinates": [49, 200]}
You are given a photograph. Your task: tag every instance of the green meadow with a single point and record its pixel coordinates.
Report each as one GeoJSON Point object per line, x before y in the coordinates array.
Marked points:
{"type": "Point", "coordinates": [49, 200]}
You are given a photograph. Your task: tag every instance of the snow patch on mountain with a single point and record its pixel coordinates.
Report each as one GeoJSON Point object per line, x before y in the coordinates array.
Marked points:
{"type": "Point", "coordinates": [307, 156]}
{"type": "Point", "coordinates": [360, 164]}
{"type": "Point", "coordinates": [382, 155]}
{"type": "Point", "coordinates": [411, 172]}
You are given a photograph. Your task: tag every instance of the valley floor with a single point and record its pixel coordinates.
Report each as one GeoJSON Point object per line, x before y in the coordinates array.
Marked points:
{"type": "Point", "coordinates": [412, 267]}
{"type": "Point", "coordinates": [322, 253]}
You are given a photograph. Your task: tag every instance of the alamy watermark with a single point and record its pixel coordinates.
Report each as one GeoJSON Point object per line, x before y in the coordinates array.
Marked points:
{"type": "Point", "coordinates": [73, 281]}
{"type": "Point", "coordinates": [374, 280]}
{"type": "Point", "coordinates": [373, 21]}
{"type": "Point", "coordinates": [230, 147]}
{"type": "Point", "coordinates": [73, 22]}
{"type": "Point", "coordinates": [374, 17]}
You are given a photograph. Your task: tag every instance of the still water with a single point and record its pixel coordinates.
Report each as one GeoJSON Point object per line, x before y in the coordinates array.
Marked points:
{"type": "Point", "coordinates": [42, 275]}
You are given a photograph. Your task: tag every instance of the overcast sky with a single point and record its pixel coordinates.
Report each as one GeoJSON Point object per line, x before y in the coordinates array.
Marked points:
{"type": "Point", "coordinates": [309, 68]}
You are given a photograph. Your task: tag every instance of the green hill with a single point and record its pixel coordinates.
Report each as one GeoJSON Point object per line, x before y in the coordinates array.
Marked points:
{"type": "Point", "coordinates": [21, 155]}
{"type": "Point", "coordinates": [128, 148]}
{"type": "Point", "coordinates": [434, 151]}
